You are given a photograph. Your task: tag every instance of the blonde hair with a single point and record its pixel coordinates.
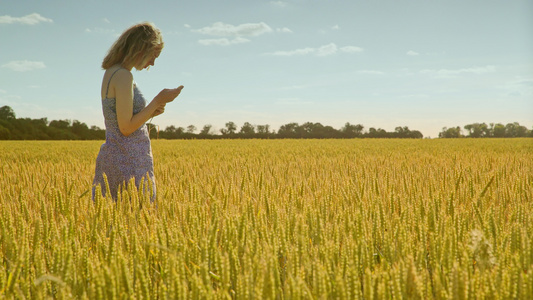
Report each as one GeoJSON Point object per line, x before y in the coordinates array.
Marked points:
{"type": "Point", "coordinates": [135, 46]}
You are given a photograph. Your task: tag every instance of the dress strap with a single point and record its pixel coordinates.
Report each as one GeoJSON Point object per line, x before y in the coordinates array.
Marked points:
{"type": "Point", "coordinates": [107, 91]}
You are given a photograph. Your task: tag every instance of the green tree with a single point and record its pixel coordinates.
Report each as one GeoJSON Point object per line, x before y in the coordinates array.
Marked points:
{"type": "Point", "coordinates": [377, 133]}
{"type": "Point", "coordinates": [351, 131]}
{"type": "Point", "coordinates": [97, 133]}
{"type": "Point", "coordinates": [289, 130]}
{"type": "Point", "coordinates": [206, 130]}
{"type": "Point", "coordinates": [172, 132]}
{"type": "Point", "coordinates": [191, 129]}
{"type": "Point", "coordinates": [7, 113]}
{"type": "Point", "coordinates": [477, 130]}
{"type": "Point", "coordinates": [80, 129]}
{"type": "Point", "coordinates": [415, 134]}
{"type": "Point", "coordinates": [60, 124]}
{"type": "Point", "coordinates": [230, 129]}
{"type": "Point", "coordinates": [5, 134]}
{"type": "Point", "coordinates": [498, 130]}
{"type": "Point", "coordinates": [515, 130]}
{"type": "Point", "coordinates": [247, 130]}
{"type": "Point", "coordinates": [453, 132]}
{"type": "Point", "coordinates": [263, 131]}
{"type": "Point", "coordinates": [317, 131]}
{"type": "Point", "coordinates": [401, 132]}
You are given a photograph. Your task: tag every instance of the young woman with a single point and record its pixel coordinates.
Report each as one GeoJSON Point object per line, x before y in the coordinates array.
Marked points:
{"type": "Point", "coordinates": [127, 153]}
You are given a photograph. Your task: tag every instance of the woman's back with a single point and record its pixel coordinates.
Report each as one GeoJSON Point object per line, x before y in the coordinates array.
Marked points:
{"type": "Point", "coordinates": [123, 157]}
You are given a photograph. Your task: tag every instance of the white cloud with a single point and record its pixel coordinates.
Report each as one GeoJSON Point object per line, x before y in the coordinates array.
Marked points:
{"type": "Point", "coordinates": [524, 82]}
{"type": "Point", "coordinates": [284, 30]}
{"type": "Point", "coordinates": [351, 49]}
{"type": "Point", "coordinates": [412, 53]}
{"type": "Point", "coordinates": [279, 3]}
{"type": "Point", "coordinates": [24, 65]}
{"type": "Point", "coordinates": [295, 87]}
{"type": "Point", "coordinates": [30, 19]}
{"type": "Point", "coordinates": [10, 100]}
{"type": "Point", "coordinates": [415, 96]}
{"type": "Point", "coordinates": [302, 51]}
{"type": "Point", "coordinates": [292, 101]}
{"type": "Point", "coordinates": [100, 30]}
{"type": "Point", "coordinates": [325, 31]}
{"type": "Point", "coordinates": [247, 29]}
{"type": "Point", "coordinates": [444, 73]}
{"type": "Point", "coordinates": [519, 86]}
{"type": "Point", "coordinates": [373, 72]}
{"type": "Point", "coordinates": [223, 41]}
{"type": "Point", "coordinates": [324, 50]}
{"type": "Point", "coordinates": [186, 25]}
{"type": "Point", "coordinates": [106, 20]}
{"type": "Point", "coordinates": [166, 33]}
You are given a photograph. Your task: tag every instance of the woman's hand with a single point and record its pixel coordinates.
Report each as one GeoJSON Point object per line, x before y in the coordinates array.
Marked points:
{"type": "Point", "coordinates": [168, 95]}
{"type": "Point", "coordinates": [159, 111]}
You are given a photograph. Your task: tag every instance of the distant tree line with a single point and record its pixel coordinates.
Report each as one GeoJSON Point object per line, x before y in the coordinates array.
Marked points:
{"type": "Point", "coordinates": [482, 130]}
{"type": "Point", "coordinates": [290, 131]}
{"type": "Point", "coordinates": [13, 128]}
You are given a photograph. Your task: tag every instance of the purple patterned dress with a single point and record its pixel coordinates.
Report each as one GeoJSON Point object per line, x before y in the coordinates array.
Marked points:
{"type": "Point", "coordinates": [122, 158]}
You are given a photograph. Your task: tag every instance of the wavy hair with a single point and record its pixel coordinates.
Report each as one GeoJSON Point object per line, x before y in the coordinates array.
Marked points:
{"type": "Point", "coordinates": [135, 46]}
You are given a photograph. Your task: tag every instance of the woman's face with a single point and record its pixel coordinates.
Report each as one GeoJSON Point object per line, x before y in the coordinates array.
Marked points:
{"type": "Point", "coordinates": [152, 60]}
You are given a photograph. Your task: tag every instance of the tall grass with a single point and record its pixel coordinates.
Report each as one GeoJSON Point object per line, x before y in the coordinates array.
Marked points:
{"type": "Point", "coordinates": [260, 219]}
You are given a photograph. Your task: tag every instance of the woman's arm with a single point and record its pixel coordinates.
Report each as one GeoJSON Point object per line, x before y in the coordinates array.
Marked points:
{"type": "Point", "coordinates": [127, 121]}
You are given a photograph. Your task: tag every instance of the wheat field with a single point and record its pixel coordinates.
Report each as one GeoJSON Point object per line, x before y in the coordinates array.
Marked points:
{"type": "Point", "coordinates": [273, 219]}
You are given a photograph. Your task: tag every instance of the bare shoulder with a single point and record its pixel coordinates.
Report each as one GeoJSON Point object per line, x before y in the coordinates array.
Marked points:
{"type": "Point", "coordinates": [122, 77]}
{"type": "Point", "coordinates": [116, 79]}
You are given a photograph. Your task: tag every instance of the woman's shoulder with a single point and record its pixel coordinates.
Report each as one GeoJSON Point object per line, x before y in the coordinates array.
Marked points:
{"type": "Point", "coordinates": [117, 72]}
{"type": "Point", "coordinates": [118, 76]}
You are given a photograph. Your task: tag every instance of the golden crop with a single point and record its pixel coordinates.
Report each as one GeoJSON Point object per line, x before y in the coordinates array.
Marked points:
{"type": "Point", "coordinates": [286, 219]}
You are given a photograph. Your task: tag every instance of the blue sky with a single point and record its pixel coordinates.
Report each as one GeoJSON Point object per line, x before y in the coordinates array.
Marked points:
{"type": "Point", "coordinates": [383, 63]}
